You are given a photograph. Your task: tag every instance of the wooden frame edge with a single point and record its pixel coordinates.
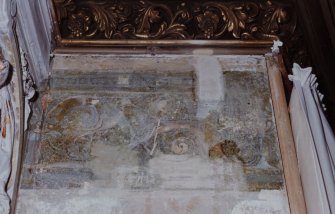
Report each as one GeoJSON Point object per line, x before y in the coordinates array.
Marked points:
{"type": "Point", "coordinates": [164, 43]}
{"type": "Point", "coordinates": [167, 47]}
{"type": "Point", "coordinates": [286, 142]}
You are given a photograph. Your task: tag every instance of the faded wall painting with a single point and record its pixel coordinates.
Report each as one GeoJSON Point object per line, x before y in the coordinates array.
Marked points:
{"type": "Point", "coordinates": [168, 134]}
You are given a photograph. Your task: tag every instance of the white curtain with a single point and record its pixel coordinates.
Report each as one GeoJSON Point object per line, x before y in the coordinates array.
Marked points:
{"type": "Point", "coordinates": [315, 142]}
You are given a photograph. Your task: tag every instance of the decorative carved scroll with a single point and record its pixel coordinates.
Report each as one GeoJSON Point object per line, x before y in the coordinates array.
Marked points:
{"type": "Point", "coordinates": [28, 87]}
{"type": "Point", "coordinates": [172, 20]}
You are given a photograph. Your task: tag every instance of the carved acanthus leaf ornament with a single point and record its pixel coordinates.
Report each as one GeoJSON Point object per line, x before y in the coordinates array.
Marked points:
{"type": "Point", "coordinates": [182, 20]}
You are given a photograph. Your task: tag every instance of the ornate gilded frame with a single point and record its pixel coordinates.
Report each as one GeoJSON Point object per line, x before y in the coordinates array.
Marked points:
{"type": "Point", "coordinates": [175, 23]}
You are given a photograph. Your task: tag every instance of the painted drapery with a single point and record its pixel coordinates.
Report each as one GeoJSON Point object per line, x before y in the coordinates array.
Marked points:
{"type": "Point", "coordinates": [6, 137]}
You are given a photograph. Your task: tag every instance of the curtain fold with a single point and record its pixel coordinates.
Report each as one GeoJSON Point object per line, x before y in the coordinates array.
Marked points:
{"type": "Point", "coordinates": [314, 140]}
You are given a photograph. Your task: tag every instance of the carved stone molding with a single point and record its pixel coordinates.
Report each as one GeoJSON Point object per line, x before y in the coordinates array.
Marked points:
{"type": "Point", "coordinates": [102, 21]}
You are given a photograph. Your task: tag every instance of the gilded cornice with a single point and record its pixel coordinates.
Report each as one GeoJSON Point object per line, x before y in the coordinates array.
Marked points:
{"type": "Point", "coordinates": [107, 22]}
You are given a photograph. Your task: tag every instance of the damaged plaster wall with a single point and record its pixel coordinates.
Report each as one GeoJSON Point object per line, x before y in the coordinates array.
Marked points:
{"type": "Point", "coordinates": [120, 134]}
